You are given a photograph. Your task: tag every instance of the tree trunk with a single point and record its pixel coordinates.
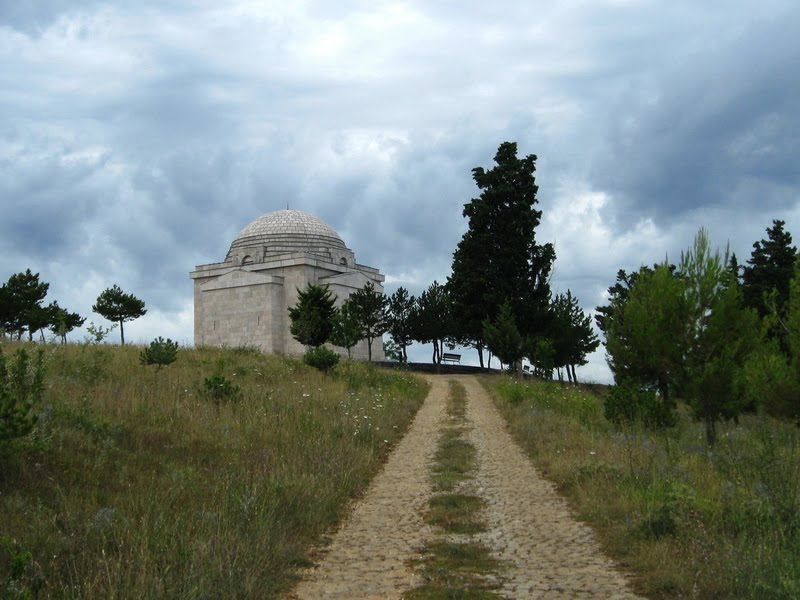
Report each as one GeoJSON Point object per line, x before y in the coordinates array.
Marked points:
{"type": "Point", "coordinates": [479, 348]}
{"type": "Point", "coordinates": [574, 375]}
{"type": "Point", "coordinates": [711, 432]}
{"type": "Point", "coordinates": [369, 349]}
{"type": "Point", "coordinates": [122, 332]}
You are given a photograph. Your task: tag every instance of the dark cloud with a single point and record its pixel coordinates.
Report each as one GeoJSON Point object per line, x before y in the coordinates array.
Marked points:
{"type": "Point", "coordinates": [713, 127]}
{"type": "Point", "coordinates": [137, 139]}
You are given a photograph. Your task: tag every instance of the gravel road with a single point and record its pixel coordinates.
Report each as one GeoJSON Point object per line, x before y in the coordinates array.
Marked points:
{"type": "Point", "coordinates": [546, 552]}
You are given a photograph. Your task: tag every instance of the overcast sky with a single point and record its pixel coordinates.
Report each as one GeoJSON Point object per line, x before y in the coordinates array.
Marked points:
{"type": "Point", "coordinates": [138, 138]}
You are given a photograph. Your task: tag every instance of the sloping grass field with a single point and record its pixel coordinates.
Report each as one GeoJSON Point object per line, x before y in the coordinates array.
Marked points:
{"type": "Point", "coordinates": [210, 478]}
{"type": "Point", "coordinates": [684, 520]}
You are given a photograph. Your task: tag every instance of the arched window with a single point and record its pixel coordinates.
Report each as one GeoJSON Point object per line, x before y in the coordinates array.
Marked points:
{"type": "Point", "coordinates": [343, 261]}
{"type": "Point", "coordinates": [246, 260]}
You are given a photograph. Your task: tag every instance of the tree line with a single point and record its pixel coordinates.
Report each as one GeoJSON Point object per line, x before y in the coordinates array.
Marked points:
{"type": "Point", "coordinates": [23, 311]}
{"type": "Point", "coordinates": [496, 300]}
{"type": "Point", "coordinates": [721, 336]}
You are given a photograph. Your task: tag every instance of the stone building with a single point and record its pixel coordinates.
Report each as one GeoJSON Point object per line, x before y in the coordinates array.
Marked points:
{"type": "Point", "coordinates": [244, 300]}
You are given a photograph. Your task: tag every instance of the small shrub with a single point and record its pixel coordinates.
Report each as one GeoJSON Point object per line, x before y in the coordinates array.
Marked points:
{"type": "Point", "coordinates": [220, 390]}
{"type": "Point", "coordinates": [659, 523]}
{"type": "Point", "coordinates": [321, 358]}
{"type": "Point", "coordinates": [21, 384]}
{"type": "Point", "coordinates": [160, 352]}
{"type": "Point", "coordinates": [767, 381]}
{"type": "Point", "coordinates": [97, 333]}
{"type": "Point", "coordinates": [20, 576]}
{"type": "Point", "coordinates": [628, 404]}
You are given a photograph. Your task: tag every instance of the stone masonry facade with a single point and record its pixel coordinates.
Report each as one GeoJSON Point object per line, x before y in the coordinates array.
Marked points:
{"type": "Point", "coordinates": [244, 300]}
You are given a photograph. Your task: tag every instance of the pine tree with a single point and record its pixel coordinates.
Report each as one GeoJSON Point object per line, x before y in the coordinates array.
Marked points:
{"type": "Point", "coordinates": [369, 307]}
{"type": "Point", "coordinates": [346, 331]}
{"type": "Point", "coordinates": [503, 338]}
{"type": "Point", "coordinates": [572, 334]}
{"type": "Point", "coordinates": [498, 259]}
{"type": "Point", "coordinates": [21, 303]}
{"type": "Point", "coordinates": [312, 316]}
{"type": "Point", "coordinates": [720, 336]}
{"type": "Point", "coordinates": [769, 271]}
{"type": "Point", "coordinates": [431, 319]}
{"type": "Point", "coordinates": [117, 306]}
{"type": "Point", "coordinates": [646, 335]}
{"type": "Point", "coordinates": [400, 310]}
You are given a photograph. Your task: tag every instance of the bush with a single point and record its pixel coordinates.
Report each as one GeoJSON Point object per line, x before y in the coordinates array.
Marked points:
{"type": "Point", "coordinates": [321, 358]}
{"type": "Point", "coordinates": [21, 384]}
{"type": "Point", "coordinates": [628, 404]}
{"type": "Point", "coordinates": [20, 576]}
{"type": "Point", "coordinates": [160, 352]}
{"type": "Point", "coordinates": [768, 382]}
{"type": "Point", "coordinates": [220, 390]}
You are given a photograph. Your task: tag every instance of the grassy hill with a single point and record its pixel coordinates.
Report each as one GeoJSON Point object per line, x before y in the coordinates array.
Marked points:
{"type": "Point", "coordinates": [209, 478]}
{"type": "Point", "coordinates": [687, 521]}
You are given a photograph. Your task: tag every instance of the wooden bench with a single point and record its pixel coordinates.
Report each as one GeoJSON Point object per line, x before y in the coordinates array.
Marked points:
{"type": "Point", "coordinates": [451, 358]}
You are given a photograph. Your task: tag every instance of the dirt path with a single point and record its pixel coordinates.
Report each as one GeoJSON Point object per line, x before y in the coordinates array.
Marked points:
{"type": "Point", "coordinates": [547, 553]}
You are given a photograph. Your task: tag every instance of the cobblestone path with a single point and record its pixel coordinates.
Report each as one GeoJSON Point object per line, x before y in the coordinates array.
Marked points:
{"type": "Point", "coordinates": [547, 554]}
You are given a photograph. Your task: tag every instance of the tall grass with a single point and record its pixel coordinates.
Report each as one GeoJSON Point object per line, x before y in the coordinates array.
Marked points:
{"type": "Point", "coordinates": [686, 521]}
{"type": "Point", "coordinates": [134, 484]}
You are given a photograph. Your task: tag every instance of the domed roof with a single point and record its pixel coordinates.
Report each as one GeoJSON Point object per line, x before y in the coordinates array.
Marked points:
{"type": "Point", "coordinates": [287, 231]}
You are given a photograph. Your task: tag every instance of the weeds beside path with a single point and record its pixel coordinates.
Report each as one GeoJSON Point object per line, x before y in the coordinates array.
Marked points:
{"type": "Point", "coordinates": [369, 555]}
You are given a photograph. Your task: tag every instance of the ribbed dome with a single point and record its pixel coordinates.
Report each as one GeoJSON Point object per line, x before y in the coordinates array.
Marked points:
{"type": "Point", "coordinates": [288, 231]}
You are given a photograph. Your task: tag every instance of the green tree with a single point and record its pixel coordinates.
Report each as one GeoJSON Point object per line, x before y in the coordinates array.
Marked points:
{"type": "Point", "coordinates": [721, 335]}
{"type": "Point", "coordinates": [503, 338]}
{"type": "Point", "coordinates": [21, 302]}
{"type": "Point", "coordinates": [37, 317]}
{"type": "Point", "coordinates": [498, 258]}
{"type": "Point", "coordinates": [321, 358]}
{"type": "Point", "coordinates": [312, 316]}
{"type": "Point", "coordinates": [769, 270]}
{"type": "Point", "coordinates": [21, 385]}
{"type": "Point", "coordinates": [400, 311]}
{"type": "Point", "coordinates": [572, 334]}
{"type": "Point", "coordinates": [346, 331]}
{"type": "Point", "coordinates": [369, 307]}
{"type": "Point", "coordinates": [646, 335]}
{"type": "Point", "coordinates": [431, 319]}
{"type": "Point", "coordinates": [539, 351]}
{"type": "Point", "coordinates": [63, 322]}
{"type": "Point", "coordinates": [160, 352]}
{"type": "Point", "coordinates": [771, 377]}
{"type": "Point", "coordinates": [117, 306]}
